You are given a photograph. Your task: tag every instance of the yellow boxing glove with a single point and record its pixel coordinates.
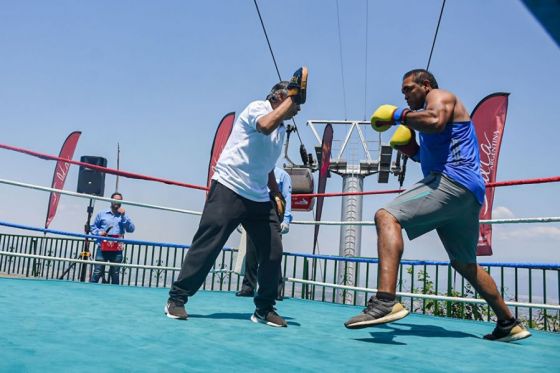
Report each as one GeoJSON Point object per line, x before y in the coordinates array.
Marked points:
{"type": "Point", "coordinates": [386, 116]}
{"type": "Point", "coordinates": [404, 140]}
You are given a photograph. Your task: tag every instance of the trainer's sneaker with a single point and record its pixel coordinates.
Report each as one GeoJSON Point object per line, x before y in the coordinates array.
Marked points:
{"type": "Point", "coordinates": [509, 333]}
{"type": "Point", "coordinates": [245, 292]}
{"type": "Point", "coordinates": [377, 312]}
{"type": "Point", "coordinates": [175, 310]}
{"type": "Point", "coordinates": [269, 318]}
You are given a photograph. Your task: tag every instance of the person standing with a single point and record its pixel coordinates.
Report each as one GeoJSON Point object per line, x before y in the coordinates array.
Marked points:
{"type": "Point", "coordinates": [239, 194]}
{"type": "Point", "coordinates": [110, 223]}
{"type": "Point", "coordinates": [249, 283]}
{"type": "Point", "coordinates": [448, 199]}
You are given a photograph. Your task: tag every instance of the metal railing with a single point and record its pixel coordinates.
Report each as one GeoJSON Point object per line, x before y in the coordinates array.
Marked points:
{"type": "Point", "coordinates": [517, 282]}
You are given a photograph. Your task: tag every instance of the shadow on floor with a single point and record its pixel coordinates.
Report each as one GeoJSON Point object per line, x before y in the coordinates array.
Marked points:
{"type": "Point", "coordinates": [235, 316]}
{"type": "Point", "coordinates": [390, 331]}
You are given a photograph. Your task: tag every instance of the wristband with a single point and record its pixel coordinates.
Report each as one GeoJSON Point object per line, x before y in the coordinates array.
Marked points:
{"type": "Point", "coordinates": [399, 116]}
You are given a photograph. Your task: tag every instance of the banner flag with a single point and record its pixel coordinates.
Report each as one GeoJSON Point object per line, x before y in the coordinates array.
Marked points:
{"type": "Point", "coordinates": [489, 118]}
{"type": "Point", "coordinates": [220, 139]}
{"type": "Point", "coordinates": [323, 174]}
{"type": "Point", "coordinates": [60, 173]}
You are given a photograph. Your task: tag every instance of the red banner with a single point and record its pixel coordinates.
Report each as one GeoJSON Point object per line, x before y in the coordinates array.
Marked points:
{"type": "Point", "coordinates": [489, 118]}
{"type": "Point", "coordinates": [323, 174]}
{"type": "Point", "coordinates": [60, 173]}
{"type": "Point", "coordinates": [220, 139]}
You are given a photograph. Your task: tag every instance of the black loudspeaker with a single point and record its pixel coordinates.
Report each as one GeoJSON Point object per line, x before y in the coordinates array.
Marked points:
{"type": "Point", "coordinates": [91, 181]}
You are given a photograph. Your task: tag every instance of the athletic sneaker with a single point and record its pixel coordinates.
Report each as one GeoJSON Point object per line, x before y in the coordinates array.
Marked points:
{"type": "Point", "coordinates": [377, 312]}
{"type": "Point", "coordinates": [509, 333]}
{"type": "Point", "coordinates": [175, 310]}
{"type": "Point", "coordinates": [269, 318]}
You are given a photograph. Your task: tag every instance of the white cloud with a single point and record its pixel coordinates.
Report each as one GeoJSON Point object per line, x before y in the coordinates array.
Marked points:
{"type": "Point", "coordinates": [541, 232]}
{"type": "Point", "coordinates": [502, 212]}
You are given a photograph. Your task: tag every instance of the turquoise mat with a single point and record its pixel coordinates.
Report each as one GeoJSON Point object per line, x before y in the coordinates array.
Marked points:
{"type": "Point", "coordinates": [59, 326]}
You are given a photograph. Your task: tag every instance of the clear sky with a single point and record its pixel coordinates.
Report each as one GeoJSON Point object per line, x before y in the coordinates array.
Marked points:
{"type": "Point", "coordinates": [157, 77]}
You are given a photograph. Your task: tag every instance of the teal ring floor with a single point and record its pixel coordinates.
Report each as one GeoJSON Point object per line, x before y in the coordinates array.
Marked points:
{"type": "Point", "coordinates": [60, 326]}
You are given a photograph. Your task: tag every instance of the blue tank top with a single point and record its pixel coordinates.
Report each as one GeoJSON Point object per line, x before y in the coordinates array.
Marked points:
{"type": "Point", "coordinates": [454, 152]}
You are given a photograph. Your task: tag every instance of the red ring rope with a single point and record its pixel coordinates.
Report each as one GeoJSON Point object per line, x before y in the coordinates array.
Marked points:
{"type": "Point", "coordinates": [192, 186]}
{"type": "Point", "coordinates": [103, 169]}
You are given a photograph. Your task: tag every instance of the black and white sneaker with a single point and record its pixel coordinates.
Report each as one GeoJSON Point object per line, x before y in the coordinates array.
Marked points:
{"type": "Point", "coordinates": [175, 310]}
{"type": "Point", "coordinates": [269, 318]}
{"type": "Point", "coordinates": [377, 312]}
{"type": "Point", "coordinates": [508, 332]}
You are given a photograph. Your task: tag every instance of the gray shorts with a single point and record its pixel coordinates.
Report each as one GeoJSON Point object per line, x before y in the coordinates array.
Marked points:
{"type": "Point", "coordinates": [438, 203]}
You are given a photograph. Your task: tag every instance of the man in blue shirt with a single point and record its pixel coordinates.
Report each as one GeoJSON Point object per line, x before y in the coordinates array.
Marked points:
{"type": "Point", "coordinates": [447, 200]}
{"type": "Point", "coordinates": [251, 259]}
{"type": "Point", "coordinates": [111, 223]}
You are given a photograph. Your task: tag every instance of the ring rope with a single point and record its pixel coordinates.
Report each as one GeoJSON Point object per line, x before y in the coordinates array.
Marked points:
{"type": "Point", "coordinates": [89, 196]}
{"type": "Point", "coordinates": [353, 259]}
{"type": "Point", "coordinates": [552, 219]}
{"type": "Point", "coordinates": [199, 187]}
{"type": "Point", "coordinates": [541, 180]}
{"type": "Point", "coordinates": [424, 296]}
{"type": "Point", "coordinates": [92, 237]}
{"type": "Point", "coordinates": [289, 279]}
{"type": "Point", "coordinates": [112, 264]}
{"type": "Point", "coordinates": [111, 171]}
{"type": "Point", "coordinates": [312, 256]}
{"type": "Point", "coordinates": [298, 222]}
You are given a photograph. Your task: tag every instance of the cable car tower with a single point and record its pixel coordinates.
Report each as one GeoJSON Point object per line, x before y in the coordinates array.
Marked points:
{"type": "Point", "coordinates": [354, 158]}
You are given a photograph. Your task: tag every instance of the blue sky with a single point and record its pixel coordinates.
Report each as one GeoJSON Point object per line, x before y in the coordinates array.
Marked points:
{"type": "Point", "coordinates": [157, 77]}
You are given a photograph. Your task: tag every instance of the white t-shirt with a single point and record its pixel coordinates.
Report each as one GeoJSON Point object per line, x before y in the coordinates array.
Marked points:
{"type": "Point", "coordinates": [249, 155]}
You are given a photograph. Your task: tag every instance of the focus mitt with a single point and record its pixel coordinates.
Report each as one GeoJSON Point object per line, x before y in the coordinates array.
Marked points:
{"type": "Point", "coordinates": [404, 140]}
{"type": "Point", "coordinates": [297, 88]}
{"type": "Point", "coordinates": [386, 116]}
{"type": "Point", "coordinates": [279, 204]}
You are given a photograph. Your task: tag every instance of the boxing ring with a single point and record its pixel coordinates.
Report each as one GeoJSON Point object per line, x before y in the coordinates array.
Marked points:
{"type": "Point", "coordinates": [70, 325]}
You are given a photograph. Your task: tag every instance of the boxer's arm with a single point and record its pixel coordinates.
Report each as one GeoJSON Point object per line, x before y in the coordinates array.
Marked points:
{"type": "Point", "coordinates": [272, 184]}
{"type": "Point", "coordinates": [439, 111]}
{"type": "Point", "coordinates": [269, 122]}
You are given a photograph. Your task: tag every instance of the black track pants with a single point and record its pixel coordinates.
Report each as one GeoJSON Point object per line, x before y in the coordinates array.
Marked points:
{"type": "Point", "coordinates": [223, 212]}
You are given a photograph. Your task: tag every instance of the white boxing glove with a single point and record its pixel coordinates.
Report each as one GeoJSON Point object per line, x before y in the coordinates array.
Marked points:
{"type": "Point", "coordinates": [284, 228]}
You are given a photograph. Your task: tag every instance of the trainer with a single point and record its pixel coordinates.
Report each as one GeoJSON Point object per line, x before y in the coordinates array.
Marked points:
{"type": "Point", "coordinates": [251, 260]}
{"type": "Point", "coordinates": [448, 199]}
{"type": "Point", "coordinates": [239, 194]}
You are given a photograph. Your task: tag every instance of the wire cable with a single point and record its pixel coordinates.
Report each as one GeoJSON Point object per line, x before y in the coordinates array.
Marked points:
{"type": "Point", "coordinates": [274, 60]}
{"type": "Point", "coordinates": [435, 35]}
{"type": "Point", "coordinates": [366, 60]}
{"type": "Point", "coordinates": [267, 40]}
{"type": "Point", "coordinates": [341, 64]}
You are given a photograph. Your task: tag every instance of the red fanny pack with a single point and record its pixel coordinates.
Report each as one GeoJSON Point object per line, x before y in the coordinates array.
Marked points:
{"type": "Point", "coordinates": [111, 245]}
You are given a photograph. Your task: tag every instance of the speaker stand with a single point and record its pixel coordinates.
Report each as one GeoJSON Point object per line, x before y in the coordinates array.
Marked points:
{"type": "Point", "coordinates": [85, 254]}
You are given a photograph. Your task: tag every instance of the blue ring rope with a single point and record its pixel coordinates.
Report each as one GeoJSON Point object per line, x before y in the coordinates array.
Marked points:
{"type": "Point", "coordinates": [310, 256]}
{"type": "Point", "coordinates": [92, 237]}
{"type": "Point", "coordinates": [429, 262]}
